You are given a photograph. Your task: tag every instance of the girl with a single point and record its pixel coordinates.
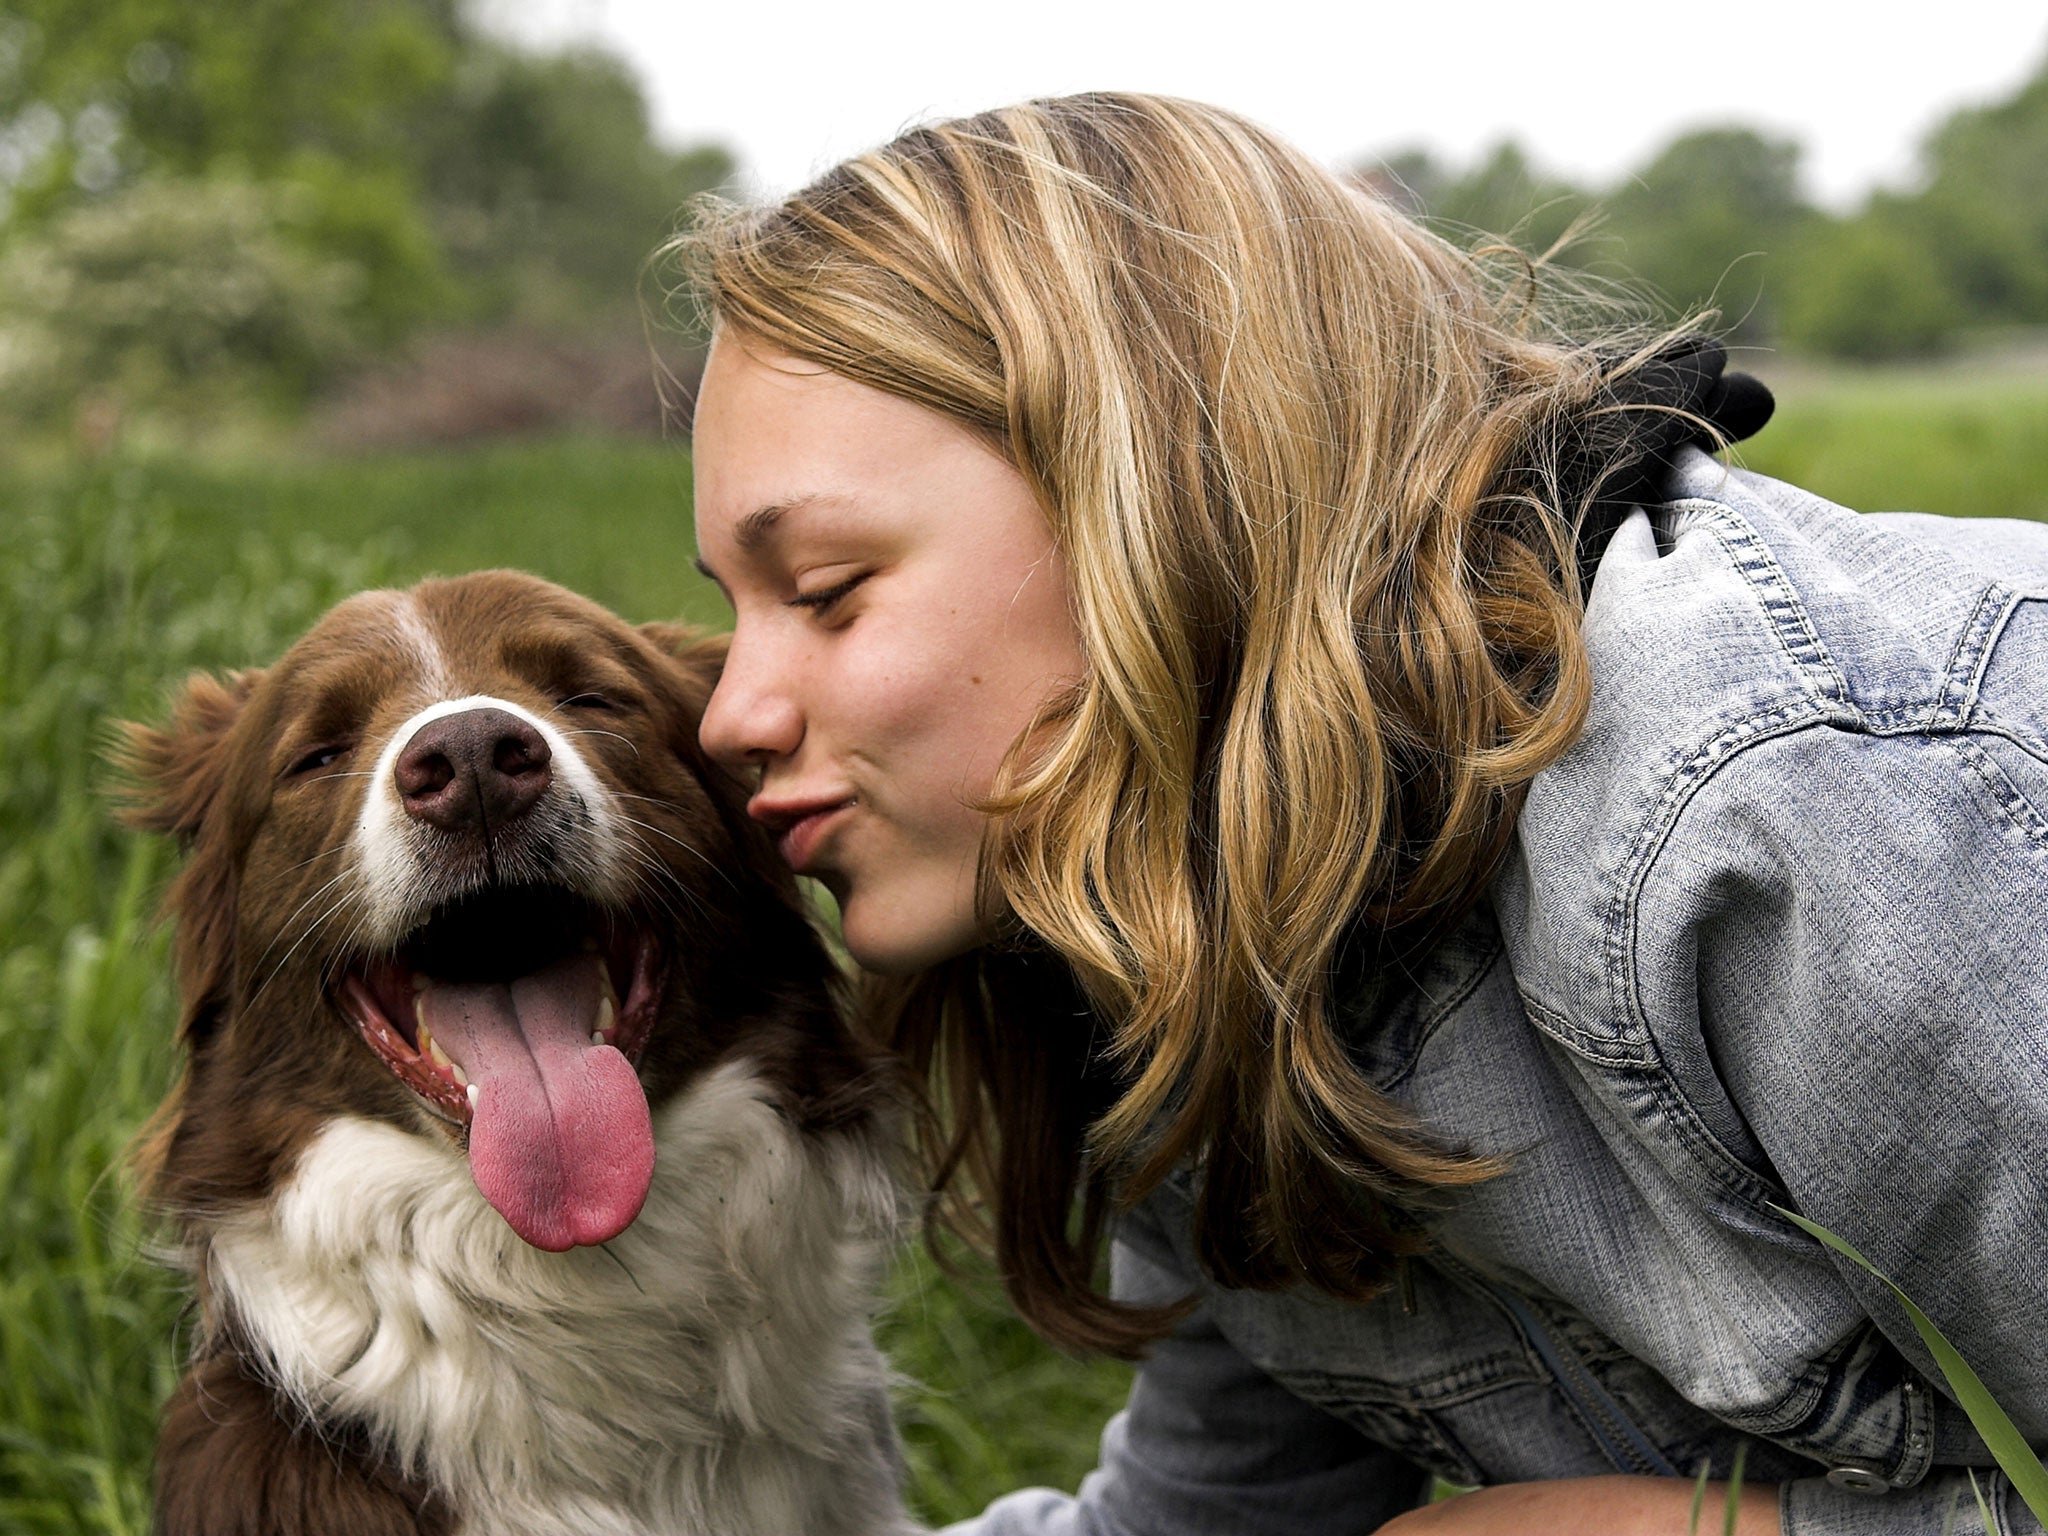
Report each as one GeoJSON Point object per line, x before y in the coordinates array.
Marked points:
{"type": "Point", "coordinates": [1352, 809]}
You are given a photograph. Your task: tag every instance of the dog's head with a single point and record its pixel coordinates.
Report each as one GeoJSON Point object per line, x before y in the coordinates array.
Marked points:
{"type": "Point", "coordinates": [457, 861]}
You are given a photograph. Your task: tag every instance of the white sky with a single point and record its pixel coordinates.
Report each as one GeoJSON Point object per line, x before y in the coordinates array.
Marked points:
{"type": "Point", "coordinates": [1591, 87]}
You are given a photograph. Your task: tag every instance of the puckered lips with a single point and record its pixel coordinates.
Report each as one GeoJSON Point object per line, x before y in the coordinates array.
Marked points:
{"type": "Point", "coordinates": [519, 1015]}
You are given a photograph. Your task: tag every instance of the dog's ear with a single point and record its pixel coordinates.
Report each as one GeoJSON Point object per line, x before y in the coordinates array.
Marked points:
{"type": "Point", "coordinates": [175, 779]}
{"type": "Point", "coordinates": [698, 652]}
{"type": "Point", "coordinates": [175, 774]}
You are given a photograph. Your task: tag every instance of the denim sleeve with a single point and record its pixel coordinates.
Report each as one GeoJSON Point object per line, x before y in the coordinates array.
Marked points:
{"type": "Point", "coordinates": [1861, 923]}
{"type": "Point", "coordinates": [1812, 1506]}
{"type": "Point", "coordinates": [1209, 1445]}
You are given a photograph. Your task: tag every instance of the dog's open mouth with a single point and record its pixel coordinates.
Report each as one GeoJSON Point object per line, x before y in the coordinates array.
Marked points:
{"type": "Point", "coordinates": [520, 1014]}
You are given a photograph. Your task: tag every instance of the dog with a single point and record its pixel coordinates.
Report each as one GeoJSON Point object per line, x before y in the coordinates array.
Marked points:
{"type": "Point", "coordinates": [529, 1175]}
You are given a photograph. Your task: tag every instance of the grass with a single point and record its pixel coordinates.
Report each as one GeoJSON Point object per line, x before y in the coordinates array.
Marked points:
{"type": "Point", "coordinates": [114, 582]}
{"type": "Point", "coordinates": [1956, 444]}
{"type": "Point", "coordinates": [116, 579]}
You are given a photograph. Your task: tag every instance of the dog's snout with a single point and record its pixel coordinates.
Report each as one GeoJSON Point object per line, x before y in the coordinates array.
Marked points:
{"type": "Point", "coordinates": [478, 768]}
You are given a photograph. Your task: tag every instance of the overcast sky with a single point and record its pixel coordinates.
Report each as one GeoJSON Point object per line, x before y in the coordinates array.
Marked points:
{"type": "Point", "coordinates": [1590, 87]}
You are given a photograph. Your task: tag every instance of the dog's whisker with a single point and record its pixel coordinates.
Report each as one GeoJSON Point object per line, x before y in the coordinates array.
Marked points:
{"type": "Point", "coordinates": [683, 843]}
{"type": "Point", "coordinates": [324, 853]}
{"type": "Point", "coordinates": [663, 879]}
{"type": "Point", "coordinates": [591, 730]}
{"type": "Point", "coordinates": [311, 929]}
{"type": "Point", "coordinates": [624, 1268]}
{"type": "Point", "coordinates": [285, 926]}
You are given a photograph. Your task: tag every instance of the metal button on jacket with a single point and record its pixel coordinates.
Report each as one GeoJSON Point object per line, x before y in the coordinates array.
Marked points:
{"type": "Point", "coordinates": [1859, 1478]}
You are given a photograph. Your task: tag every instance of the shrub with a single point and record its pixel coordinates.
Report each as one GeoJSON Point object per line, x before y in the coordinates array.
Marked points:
{"type": "Point", "coordinates": [175, 293]}
{"type": "Point", "coordinates": [1868, 289]}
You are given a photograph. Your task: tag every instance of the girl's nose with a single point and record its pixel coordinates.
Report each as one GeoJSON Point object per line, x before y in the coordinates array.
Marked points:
{"type": "Point", "coordinates": [750, 719]}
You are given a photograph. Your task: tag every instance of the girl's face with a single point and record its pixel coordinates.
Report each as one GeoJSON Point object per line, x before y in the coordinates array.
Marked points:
{"type": "Point", "coordinates": [899, 613]}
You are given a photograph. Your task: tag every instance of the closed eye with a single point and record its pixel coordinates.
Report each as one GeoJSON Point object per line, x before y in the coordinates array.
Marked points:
{"type": "Point", "coordinates": [825, 597]}
{"type": "Point", "coordinates": [589, 701]}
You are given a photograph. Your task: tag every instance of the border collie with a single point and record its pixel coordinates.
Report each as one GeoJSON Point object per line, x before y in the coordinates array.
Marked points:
{"type": "Point", "coordinates": [528, 1174]}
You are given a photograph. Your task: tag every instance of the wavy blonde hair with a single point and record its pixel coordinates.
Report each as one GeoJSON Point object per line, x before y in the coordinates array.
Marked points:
{"type": "Point", "coordinates": [1301, 457]}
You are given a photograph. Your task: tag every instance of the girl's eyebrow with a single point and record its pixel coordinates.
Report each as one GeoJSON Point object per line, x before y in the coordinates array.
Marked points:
{"type": "Point", "coordinates": [754, 531]}
{"type": "Point", "coordinates": [756, 527]}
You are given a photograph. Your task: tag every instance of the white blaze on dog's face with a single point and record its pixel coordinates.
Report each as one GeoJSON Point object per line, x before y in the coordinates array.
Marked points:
{"type": "Point", "coordinates": [449, 857]}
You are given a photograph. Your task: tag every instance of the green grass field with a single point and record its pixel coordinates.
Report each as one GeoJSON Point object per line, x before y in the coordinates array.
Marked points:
{"type": "Point", "coordinates": [116, 579]}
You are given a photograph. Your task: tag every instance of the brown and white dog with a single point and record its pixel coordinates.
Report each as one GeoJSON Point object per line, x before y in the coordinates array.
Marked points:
{"type": "Point", "coordinates": [529, 1175]}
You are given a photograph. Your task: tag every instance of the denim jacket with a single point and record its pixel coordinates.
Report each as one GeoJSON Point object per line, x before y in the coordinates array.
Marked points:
{"type": "Point", "coordinates": [1774, 933]}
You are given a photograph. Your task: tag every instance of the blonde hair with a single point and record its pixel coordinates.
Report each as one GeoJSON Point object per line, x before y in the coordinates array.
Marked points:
{"type": "Point", "coordinates": [1301, 457]}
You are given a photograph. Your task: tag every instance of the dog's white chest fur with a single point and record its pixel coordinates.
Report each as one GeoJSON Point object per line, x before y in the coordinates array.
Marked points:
{"type": "Point", "coordinates": [708, 1371]}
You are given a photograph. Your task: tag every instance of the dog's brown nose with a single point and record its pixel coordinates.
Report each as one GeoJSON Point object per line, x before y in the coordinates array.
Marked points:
{"type": "Point", "coordinates": [479, 769]}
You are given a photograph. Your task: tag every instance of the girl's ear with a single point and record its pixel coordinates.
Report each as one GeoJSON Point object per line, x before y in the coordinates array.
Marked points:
{"type": "Point", "coordinates": [175, 774]}
{"type": "Point", "coordinates": [699, 653]}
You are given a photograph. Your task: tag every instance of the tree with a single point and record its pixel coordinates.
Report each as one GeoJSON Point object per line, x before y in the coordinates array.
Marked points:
{"type": "Point", "coordinates": [452, 179]}
{"type": "Point", "coordinates": [1869, 289]}
{"type": "Point", "coordinates": [1505, 196]}
{"type": "Point", "coordinates": [130, 87]}
{"type": "Point", "coordinates": [545, 183]}
{"type": "Point", "coordinates": [172, 293]}
{"type": "Point", "coordinates": [1985, 207]}
{"type": "Point", "coordinates": [1709, 220]}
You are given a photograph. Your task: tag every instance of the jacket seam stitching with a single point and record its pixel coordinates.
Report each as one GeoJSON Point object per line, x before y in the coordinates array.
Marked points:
{"type": "Point", "coordinates": [1686, 780]}
{"type": "Point", "coordinates": [1975, 642]}
{"type": "Point", "coordinates": [1986, 722]}
{"type": "Point", "coordinates": [1791, 625]}
{"type": "Point", "coordinates": [1434, 1019]}
{"type": "Point", "coordinates": [2006, 796]}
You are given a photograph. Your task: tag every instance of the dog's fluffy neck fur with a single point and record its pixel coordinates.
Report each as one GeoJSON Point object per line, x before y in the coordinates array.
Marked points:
{"type": "Point", "coordinates": [708, 1371]}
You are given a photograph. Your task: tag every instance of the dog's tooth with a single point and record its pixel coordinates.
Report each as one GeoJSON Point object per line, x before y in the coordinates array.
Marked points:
{"type": "Point", "coordinates": [461, 1076]}
{"type": "Point", "coordinates": [472, 1095]}
{"type": "Point", "coordinates": [434, 1050]}
{"type": "Point", "coordinates": [606, 1017]}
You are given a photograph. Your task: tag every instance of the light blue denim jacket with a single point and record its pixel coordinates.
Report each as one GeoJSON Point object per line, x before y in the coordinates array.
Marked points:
{"type": "Point", "coordinates": [1773, 933]}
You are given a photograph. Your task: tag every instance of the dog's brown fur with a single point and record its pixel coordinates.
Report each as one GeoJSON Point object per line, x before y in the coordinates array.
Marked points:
{"type": "Point", "coordinates": [270, 1061]}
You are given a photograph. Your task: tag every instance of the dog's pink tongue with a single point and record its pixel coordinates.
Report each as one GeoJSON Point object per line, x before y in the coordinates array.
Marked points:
{"type": "Point", "coordinates": [560, 1140]}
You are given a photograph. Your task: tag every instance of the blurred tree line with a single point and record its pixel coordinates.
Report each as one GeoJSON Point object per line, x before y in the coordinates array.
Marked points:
{"type": "Point", "coordinates": [201, 202]}
{"type": "Point", "coordinates": [209, 204]}
{"type": "Point", "coordinates": [1717, 218]}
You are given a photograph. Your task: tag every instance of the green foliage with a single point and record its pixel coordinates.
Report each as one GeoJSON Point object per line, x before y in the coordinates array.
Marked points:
{"type": "Point", "coordinates": [1869, 288]}
{"type": "Point", "coordinates": [186, 89]}
{"type": "Point", "coordinates": [1701, 219]}
{"type": "Point", "coordinates": [168, 293]}
{"type": "Point", "coordinates": [989, 1409]}
{"type": "Point", "coordinates": [546, 186]}
{"type": "Point", "coordinates": [451, 179]}
{"type": "Point", "coordinates": [371, 218]}
{"type": "Point", "coordinates": [96, 614]}
{"type": "Point", "coordinates": [1505, 196]}
{"type": "Point", "coordinates": [1985, 209]}
{"type": "Point", "coordinates": [1717, 219]}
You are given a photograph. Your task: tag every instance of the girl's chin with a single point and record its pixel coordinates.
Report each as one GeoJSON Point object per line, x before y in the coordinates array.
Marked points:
{"type": "Point", "coordinates": [895, 937]}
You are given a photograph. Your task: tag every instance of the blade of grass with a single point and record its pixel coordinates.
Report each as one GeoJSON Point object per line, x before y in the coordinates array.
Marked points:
{"type": "Point", "coordinates": [2015, 1457]}
{"type": "Point", "coordinates": [1734, 1504]}
{"type": "Point", "coordinates": [1699, 1498]}
{"type": "Point", "coordinates": [1983, 1509]}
